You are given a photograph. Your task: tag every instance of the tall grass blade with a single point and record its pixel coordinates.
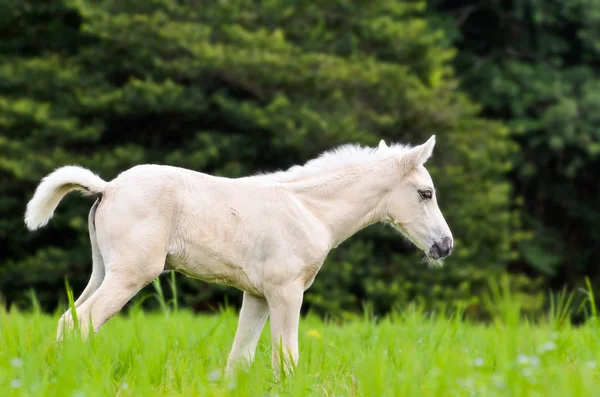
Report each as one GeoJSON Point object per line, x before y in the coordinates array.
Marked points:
{"type": "Point", "coordinates": [71, 303]}
{"type": "Point", "coordinates": [160, 296]}
{"type": "Point", "coordinates": [35, 303]}
{"type": "Point", "coordinates": [560, 308]}
{"type": "Point", "coordinates": [173, 285]}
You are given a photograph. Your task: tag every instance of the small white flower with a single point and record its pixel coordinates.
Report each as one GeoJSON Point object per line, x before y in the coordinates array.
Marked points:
{"type": "Point", "coordinates": [527, 372]}
{"type": "Point", "coordinates": [534, 360]}
{"type": "Point", "coordinates": [124, 385]}
{"type": "Point", "coordinates": [523, 359]}
{"type": "Point", "coordinates": [547, 347]}
{"type": "Point", "coordinates": [467, 383]}
{"type": "Point", "coordinates": [16, 362]}
{"type": "Point", "coordinates": [16, 383]}
{"type": "Point", "coordinates": [591, 364]}
{"type": "Point", "coordinates": [478, 362]}
{"type": "Point", "coordinates": [214, 376]}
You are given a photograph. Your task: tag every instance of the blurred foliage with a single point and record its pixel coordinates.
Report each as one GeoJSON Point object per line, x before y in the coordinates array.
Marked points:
{"type": "Point", "coordinates": [234, 88]}
{"type": "Point", "coordinates": [536, 65]}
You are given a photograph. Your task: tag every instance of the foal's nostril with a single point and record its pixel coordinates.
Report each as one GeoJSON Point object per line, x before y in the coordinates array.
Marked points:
{"type": "Point", "coordinates": [447, 245]}
{"type": "Point", "coordinates": [443, 248]}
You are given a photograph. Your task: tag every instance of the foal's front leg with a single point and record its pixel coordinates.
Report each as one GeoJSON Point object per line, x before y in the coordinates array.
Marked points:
{"type": "Point", "coordinates": [284, 308]}
{"type": "Point", "coordinates": [253, 315]}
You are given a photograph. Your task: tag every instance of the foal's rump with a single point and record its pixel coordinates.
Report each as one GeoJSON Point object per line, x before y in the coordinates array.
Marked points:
{"type": "Point", "coordinates": [136, 189]}
{"type": "Point", "coordinates": [134, 217]}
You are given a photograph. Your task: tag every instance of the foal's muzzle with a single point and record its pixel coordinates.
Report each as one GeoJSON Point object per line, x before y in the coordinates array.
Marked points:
{"type": "Point", "coordinates": [441, 249]}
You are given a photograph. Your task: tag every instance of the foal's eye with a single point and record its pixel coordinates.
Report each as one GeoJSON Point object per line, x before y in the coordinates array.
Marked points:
{"type": "Point", "coordinates": [425, 194]}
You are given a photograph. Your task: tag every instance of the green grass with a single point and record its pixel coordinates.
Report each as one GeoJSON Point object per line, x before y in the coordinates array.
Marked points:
{"type": "Point", "coordinates": [176, 353]}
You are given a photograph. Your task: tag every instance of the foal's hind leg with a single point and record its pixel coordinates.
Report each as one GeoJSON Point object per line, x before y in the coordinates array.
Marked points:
{"type": "Point", "coordinates": [93, 285]}
{"type": "Point", "coordinates": [97, 268]}
{"type": "Point", "coordinates": [116, 290]}
{"type": "Point", "coordinates": [95, 279]}
{"type": "Point", "coordinates": [136, 258]}
{"type": "Point", "coordinates": [97, 261]}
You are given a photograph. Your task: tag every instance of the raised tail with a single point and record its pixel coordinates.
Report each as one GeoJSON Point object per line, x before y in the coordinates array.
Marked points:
{"type": "Point", "coordinates": [54, 187]}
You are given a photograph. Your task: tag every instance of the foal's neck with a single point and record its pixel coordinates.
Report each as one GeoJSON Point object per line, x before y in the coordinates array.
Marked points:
{"type": "Point", "coordinates": [349, 200]}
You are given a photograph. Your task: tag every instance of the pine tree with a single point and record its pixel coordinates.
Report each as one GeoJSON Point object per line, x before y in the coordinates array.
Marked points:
{"type": "Point", "coordinates": [234, 88]}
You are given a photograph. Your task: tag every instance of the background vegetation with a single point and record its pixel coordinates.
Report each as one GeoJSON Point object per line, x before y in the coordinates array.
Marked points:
{"type": "Point", "coordinates": [233, 88]}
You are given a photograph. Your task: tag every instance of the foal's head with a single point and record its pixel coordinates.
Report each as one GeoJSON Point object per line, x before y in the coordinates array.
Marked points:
{"type": "Point", "coordinates": [413, 207]}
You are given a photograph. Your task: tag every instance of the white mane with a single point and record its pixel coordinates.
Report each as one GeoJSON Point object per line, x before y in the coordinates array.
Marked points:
{"type": "Point", "coordinates": [341, 157]}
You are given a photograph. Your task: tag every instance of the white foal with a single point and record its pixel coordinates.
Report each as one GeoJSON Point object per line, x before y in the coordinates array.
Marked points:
{"type": "Point", "coordinates": [267, 235]}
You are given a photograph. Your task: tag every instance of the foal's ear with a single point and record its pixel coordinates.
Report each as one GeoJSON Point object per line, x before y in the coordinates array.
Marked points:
{"type": "Point", "coordinates": [419, 154]}
{"type": "Point", "coordinates": [382, 145]}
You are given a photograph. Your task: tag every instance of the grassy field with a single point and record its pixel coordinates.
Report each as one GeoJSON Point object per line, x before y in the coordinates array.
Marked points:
{"type": "Point", "coordinates": [410, 354]}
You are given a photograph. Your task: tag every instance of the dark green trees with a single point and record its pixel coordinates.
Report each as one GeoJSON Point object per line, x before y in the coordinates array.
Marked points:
{"type": "Point", "coordinates": [536, 65]}
{"type": "Point", "coordinates": [232, 89]}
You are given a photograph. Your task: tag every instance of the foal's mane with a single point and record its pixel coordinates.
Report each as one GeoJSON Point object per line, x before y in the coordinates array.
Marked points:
{"type": "Point", "coordinates": [343, 156]}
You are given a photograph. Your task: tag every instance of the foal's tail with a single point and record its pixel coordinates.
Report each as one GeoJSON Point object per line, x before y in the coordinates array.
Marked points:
{"type": "Point", "coordinates": [54, 187]}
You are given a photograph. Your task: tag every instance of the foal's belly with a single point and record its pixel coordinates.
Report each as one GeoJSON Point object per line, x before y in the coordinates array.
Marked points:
{"type": "Point", "coordinates": [213, 270]}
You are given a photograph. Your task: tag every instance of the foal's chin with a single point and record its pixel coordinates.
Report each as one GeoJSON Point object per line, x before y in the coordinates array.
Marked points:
{"type": "Point", "coordinates": [433, 262]}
